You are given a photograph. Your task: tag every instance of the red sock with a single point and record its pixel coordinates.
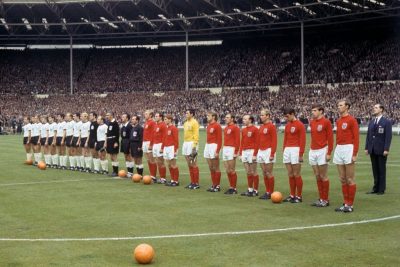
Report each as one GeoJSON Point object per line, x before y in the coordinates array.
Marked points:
{"type": "Point", "coordinates": [292, 184]}
{"type": "Point", "coordinates": [256, 181]}
{"type": "Point", "coordinates": [299, 185]}
{"type": "Point", "coordinates": [352, 188]}
{"type": "Point", "coordinates": [172, 173]}
{"type": "Point", "coordinates": [176, 174]}
{"type": "Point", "coordinates": [217, 178]}
{"type": "Point", "coordinates": [234, 179]}
{"type": "Point", "coordinates": [345, 194]}
{"type": "Point", "coordinates": [196, 175]}
{"type": "Point", "coordinates": [163, 172]}
{"type": "Point", "coordinates": [191, 175]}
{"type": "Point", "coordinates": [320, 188]}
{"type": "Point", "coordinates": [271, 184]}
{"type": "Point", "coordinates": [213, 177]}
{"type": "Point", "coordinates": [154, 168]}
{"type": "Point", "coordinates": [325, 190]}
{"type": "Point", "coordinates": [250, 181]}
{"type": "Point", "coordinates": [266, 182]}
{"type": "Point", "coordinates": [150, 168]}
{"type": "Point", "coordinates": [229, 174]}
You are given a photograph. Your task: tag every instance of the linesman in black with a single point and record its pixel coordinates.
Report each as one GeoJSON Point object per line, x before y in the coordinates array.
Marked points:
{"type": "Point", "coordinates": [92, 141]}
{"type": "Point", "coordinates": [126, 128]}
{"type": "Point", "coordinates": [113, 142]}
{"type": "Point", "coordinates": [135, 143]}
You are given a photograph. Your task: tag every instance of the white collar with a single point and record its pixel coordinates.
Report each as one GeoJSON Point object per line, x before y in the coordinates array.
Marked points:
{"type": "Point", "coordinates": [378, 118]}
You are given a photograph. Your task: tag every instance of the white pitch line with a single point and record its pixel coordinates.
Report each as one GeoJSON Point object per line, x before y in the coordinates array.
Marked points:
{"type": "Point", "coordinates": [249, 232]}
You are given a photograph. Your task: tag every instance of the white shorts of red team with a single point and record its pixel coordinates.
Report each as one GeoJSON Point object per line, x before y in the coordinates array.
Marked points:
{"type": "Point", "coordinates": [169, 153]}
{"type": "Point", "coordinates": [317, 157]}
{"type": "Point", "coordinates": [343, 154]}
{"type": "Point", "coordinates": [291, 155]}
{"type": "Point", "coordinates": [146, 147]}
{"type": "Point", "coordinates": [187, 148]}
{"type": "Point", "coordinates": [157, 150]}
{"type": "Point", "coordinates": [247, 156]}
{"type": "Point", "coordinates": [264, 155]}
{"type": "Point", "coordinates": [228, 153]}
{"type": "Point", "coordinates": [210, 150]}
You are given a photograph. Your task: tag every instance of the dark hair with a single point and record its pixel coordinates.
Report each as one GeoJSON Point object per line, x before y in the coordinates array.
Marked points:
{"type": "Point", "coordinates": [61, 115]}
{"type": "Point", "coordinates": [318, 107]}
{"type": "Point", "coordinates": [169, 116]}
{"type": "Point", "coordinates": [160, 114]}
{"type": "Point", "coordinates": [94, 114]}
{"type": "Point", "coordinates": [251, 118]}
{"type": "Point", "coordinates": [288, 111]}
{"type": "Point", "coordinates": [381, 107]}
{"type": "Point", "coordinates": [137, 117]}
{"type": "Point", "coordinates": [127, 115]}
{"type": "Point", "coordinates": [214, 115]}
{"type": "Point", "coordinates": [191, 111]}
{"type": "Point", "coordinates": [77, 114]}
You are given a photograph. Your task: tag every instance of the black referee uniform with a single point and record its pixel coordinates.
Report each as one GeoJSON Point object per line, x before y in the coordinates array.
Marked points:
{"type": "Point", "coordinates": [135, 144]}
{"type": "Point", "coordinates": [93, 134]}
{"type": "Point", "coordinates": [125, 133]}
{"type": "Point", "coordinates": [112, 137]}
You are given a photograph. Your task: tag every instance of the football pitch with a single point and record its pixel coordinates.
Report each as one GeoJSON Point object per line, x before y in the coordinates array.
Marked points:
{"type": "Point", "coordinates": [65, 218]}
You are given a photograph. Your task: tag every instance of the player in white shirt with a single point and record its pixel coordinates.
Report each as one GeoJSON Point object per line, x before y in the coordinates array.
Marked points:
{"type": "Point", "coordinates": [60, 143]}
{"type": "Point", "coordinates": [44, 136]}
{"type": "Point", "coordinates": [35, 134]}
{"type": "Point", "coordinates": [101, 144]}
{"type": "Point", "coordinates": [52, 142]}
{"type": "Point", "coordinates": [84, 143]}
{"type": "Point", "coordinates": [68, 139]}
{"type": "Point", "coordinates": [27, 129]}
{"type": "Point", "coordinates": [74, 160]}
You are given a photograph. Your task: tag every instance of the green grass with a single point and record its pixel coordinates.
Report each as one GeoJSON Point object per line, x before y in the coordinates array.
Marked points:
{"type": "Point", "coordinates": [96, 206]}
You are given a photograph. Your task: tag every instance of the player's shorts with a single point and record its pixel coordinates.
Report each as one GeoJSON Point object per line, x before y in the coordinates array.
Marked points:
{"type": "Point", "coordinates": [124, 146]}
{"type": "Point", "coordinates": [317, 157]}
{"type": "Point", "coordinates": [43, 141]}
{"type": "Point", "coordinates": [50, 141]}
{"type": "Point", "coordinates": [187, 148]}
{"type": "Point", "coordinates": [74, 142]}
{"type": "Point", "coordinates": [291, 155]}
{"type": "Point", "coordinates": [110, 146]}
{"type": "Point", "coordinates": [68, 141]}
{"type": "Point", "coordinates": [228, 153]}
{"type": "Point", "coordinates": [343, 154]}
{"type": "Point", "coordinates": [83, 142]}
{"type": "Point", "coordinates": [100, 145]}
{"type": "Point", "coordinates": [146, 147]}
{"type": "Point", "coordinates": [34, 140]}
{"type": "Point", "coordinates": [135, 149]}
{"type": "Point", "coordinates": [25, 141]}
{"type": "Point", "coordinates": [264, 155]}
{"type": "Point", "coordinates": [169, 153]}
{"type": "Point", "coordinates": [247, 155]}
{"type": "Point", "coordinates": [58, 140]}
{"type": "Point", "coordinates": [157, 150]}
{"type": "Point", "coordinates": [210, 150]}
{"type": "Point", "coordinates": [91, 143]}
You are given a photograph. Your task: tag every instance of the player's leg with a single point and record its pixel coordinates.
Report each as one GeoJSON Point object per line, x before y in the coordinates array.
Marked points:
{"type": "Point", "coordinates": [351, 185]}
{"type": "Point", "coordinates": [28, 151]}
{"type": "Point", "coordinates": [96, 160]}
{"type": "Point", "coordinates": [298, 181]}
{"type": "Point", "coordinates": [249, 175]}
{"type": "Point", "coordinates": [212, 174]}
{"type": "Point", "coordinates": [114, 164]}
{"type": "Point", "coordinates": [162, 170]}
{"type": "Point", "coordinates": [217, 174]}
{"type": "Point", "coordinates": [292, 182]}
{"type": "Point", "coordinates": [254, 174]}
{"type": "Point", "coordinates": [342, 177]}
{"type": "Point", "coordinates": [269, 179]}
{"type": "Point", "coordinates": [324, 184]}
{"type": "Point", "coordinates": [103, 161]}
{"type": "Point", "coordinates": [53, 155]}
{"type": "Point", "coordinates": [230, 167]}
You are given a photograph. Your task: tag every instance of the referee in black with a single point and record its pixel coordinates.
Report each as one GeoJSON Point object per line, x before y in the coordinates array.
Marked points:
{"type": "Point", "coordinates": [113, 142]}
{"type": "Point", "coordinates": [92, 141]}
{"type": "Point", "coordinates": [135, 144]}
{"type": "Point", "coordinates": [126, 129]}
{"type": "Point", "coordinates": [377, 145]}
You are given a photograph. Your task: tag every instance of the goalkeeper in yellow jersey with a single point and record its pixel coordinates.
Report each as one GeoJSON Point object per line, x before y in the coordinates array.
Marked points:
{"type": "Point", "coordinates": [190, 147]}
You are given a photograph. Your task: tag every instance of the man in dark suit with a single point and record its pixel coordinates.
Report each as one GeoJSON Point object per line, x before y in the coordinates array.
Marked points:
{"type": "Point", "coordinates": [377, 146]}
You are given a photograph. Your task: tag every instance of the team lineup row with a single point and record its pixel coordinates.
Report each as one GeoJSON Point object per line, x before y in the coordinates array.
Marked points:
{"type": "Point", "coordinates": [87, 138]}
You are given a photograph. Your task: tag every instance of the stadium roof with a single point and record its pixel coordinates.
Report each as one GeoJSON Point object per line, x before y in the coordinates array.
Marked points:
{"type": "Point", "coordinates": [57, 20]}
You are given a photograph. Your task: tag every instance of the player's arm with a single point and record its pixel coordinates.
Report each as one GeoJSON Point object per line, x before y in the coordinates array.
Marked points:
{"type": "Point", "coordinates": [176, 139]}
{"type": "Point", "coordinates": [237, 140]}
{"type": "Point", "coordinates": [256, 132]}
{"type": "Point", "coordinates": [196, 129]}
{"type": "Point", "coordinates": [241, 143]}
{"type": "Point", "coordinates": [302, 139]}
{"type": "Point", "coordinates": [356, 135]}
{"type": "Point", "coordinates": [54, 136]}
{"type": "Point", "coordinates": [388, 137]}
{"type": "Point", "coordinates": [219, 139]}
{"type": "Point", "coordinates": [64, 135]}
{"type": "Point", "coordinates": [29, 136]}
{"type": "Point", "coordinates": [274, 140]}
{"type": "Point", "coordinates": [47, 136]}
{"type": "Point", "coordinates": [140, 137]}
{"type": "Point", "coordinates": [329, 132]}
{"type": "Point", "coordinates": [284, 137]}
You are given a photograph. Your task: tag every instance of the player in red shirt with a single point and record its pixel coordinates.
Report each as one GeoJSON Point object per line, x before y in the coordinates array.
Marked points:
{"type": "Point", "coordinates": [211, 150]}
{"type": "Point", "coordinates": [267, 142]}
{"type": "Point", "coordinates": [158, 137]}
{"type": "Point", "coordinates": [347, 142]}
{"type": "Point", "coordinates": [294, 143]}
{"type": "Point", "coordinates": [230, 152]}
{"type": "Point", "coordinates": [248, 153]}
{"type": "Point", "coordinates": [148, 132]}
{"type": "Point", "coordinates": [320, 152]}
{"type": "Point", "coordinates": [170, 148]}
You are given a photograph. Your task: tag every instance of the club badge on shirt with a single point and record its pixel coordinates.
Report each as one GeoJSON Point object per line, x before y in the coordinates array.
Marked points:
{"type": "Point", "coordinates": [344, 126]}
{"type": "Point", "coordinates": [110, 127]}
{"type": "Point", "coordinates": [211, 130]}
{"type": "Point", "coordinates": [319, 128]}
{"type": "Point", "coordinates": [292, 129]}
{"type": "Point", "coordinates": [134, 134]}
{"type": "Point", "coordinates": [381, 130]}
{"type": "Point", "coordinates": [229, 131]}
{"type": "Point", "coordinates": [169, 132]}
{"type": "Point", "coordinates": [265, 131]}
{"type": "Point", "coordinates": [249, 134]}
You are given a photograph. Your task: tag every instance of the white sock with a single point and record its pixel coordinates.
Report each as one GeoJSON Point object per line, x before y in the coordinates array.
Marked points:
{"type": "Point", "coordinates": [72, 161]}
{"type": "Point", "coordinates": [128, 164]}
{"type": "Point", "coordinates": [28, 156]}
{"type": "Point", "coordinates": [46, 159]}
{"type": "Point", "coordinates": [115, 163]}
{"type": "Point", "coordinates": [55, 159]}
{"type": "Point", "coordinates": [82, 160]}
{"type": "Point", "coordinates": [96, 163]}
{"type": "Point", "coordinates": [37, 157]}
{"type": "Point", "coordinates": [64, 161]}
{"type": "Point", "coordinates": [77, 162]}
{"type": "Point", "coordinates": [88, 162]}
{"type": "Point", "coordinates": [104, 165]}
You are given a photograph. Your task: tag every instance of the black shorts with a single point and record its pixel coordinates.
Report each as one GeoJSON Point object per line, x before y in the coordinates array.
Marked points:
{"type": "Point", "coordinates": [99, 145]}
{"type": "Point", "coordinates": [83, 142]}
{"type": "Point", "coordinates": [58, 140]}
{"type": "Point", "coordinates": [34, 140]}
{"type": "Point", "coordinates": [91, 143]}
{"type": "Point", "coordinates": [50, 141]}
{"type": "Point", "coordinates": [68, 141]}
{"type": "Point", "coordinates": [43, 141]}
{"type": "Point", "coordinates": [136, 150]}
{"type": "Point", "coordinates": [25, 140]}
{"type": "Point", "coordinates": [125, 146]}
{"type": "Point", "coordinates": [74, 141]}
{"type": "Point", "coordinates": [110, 147]}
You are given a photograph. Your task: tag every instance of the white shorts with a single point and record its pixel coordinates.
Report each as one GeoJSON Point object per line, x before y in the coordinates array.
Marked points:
{"type": "Point", "coordinates": [187, 148]}
{"type": "Point", "coordinates": [169, 153]}
{"type": "Point", "coordinates": [210, 150]}
{"type": "Point", "coordinates": [318, 156]}
{"type": "Point", "coordinates": [343, 154]}
{"type": "Point", "coordinates": [291, 155]}
{"type": "Point", "coordinates": [247, 156]}
{"type": "Point", "coordinates": [157, 150]}
{"type": "Point", "coordinates": [228, 153]}
{"type": "Point", "coordinates": [263, 156]}
{"type": "Point", "coordinates": [146, 146]}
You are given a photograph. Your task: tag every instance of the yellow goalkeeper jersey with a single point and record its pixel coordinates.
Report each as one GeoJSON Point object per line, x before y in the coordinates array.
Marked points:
{"type": "Point", "coordinates": [191, 131]}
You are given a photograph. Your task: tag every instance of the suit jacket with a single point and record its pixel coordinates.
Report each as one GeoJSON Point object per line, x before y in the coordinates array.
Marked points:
{"type": "Point", "coordinates": [379, 136]}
